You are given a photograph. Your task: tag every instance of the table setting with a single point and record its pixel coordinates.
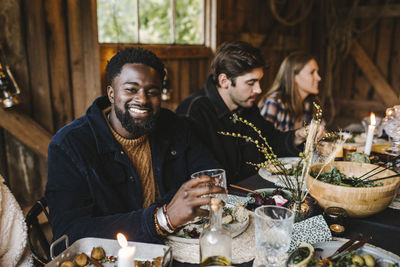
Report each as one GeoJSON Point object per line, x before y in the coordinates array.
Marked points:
{"type": "Point", "coordinates": [334, 204]}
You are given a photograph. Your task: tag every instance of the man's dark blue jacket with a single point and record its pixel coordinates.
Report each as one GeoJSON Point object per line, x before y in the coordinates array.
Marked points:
{"type": "Point", "coordinates": [92, 188]}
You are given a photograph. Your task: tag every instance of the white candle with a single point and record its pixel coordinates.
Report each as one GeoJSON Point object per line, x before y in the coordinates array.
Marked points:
{"type": "Point", "coordinates": [125, 253]}
{"type": "Point", "coordinates": [370, 134]}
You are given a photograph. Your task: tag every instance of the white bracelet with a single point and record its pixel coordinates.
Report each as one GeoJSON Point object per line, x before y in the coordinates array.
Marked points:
{"type": "Point", "coordinates": [162, 220]}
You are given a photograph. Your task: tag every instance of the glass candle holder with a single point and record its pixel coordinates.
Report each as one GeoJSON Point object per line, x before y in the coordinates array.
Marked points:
{"type": "Point", "coordinates": [337, 220]}
{"type": "Point", "coordinates": [347, 149]}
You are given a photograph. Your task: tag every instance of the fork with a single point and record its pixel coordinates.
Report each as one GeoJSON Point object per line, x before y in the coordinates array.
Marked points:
{"type": "Point", "coordinates": [345, 246]}
{"type": "Point", "coordinates": [349, 246]}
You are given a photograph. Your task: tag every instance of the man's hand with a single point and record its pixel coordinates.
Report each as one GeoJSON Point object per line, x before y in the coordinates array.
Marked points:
{"type": "Point", "coordinates": [186, 203]}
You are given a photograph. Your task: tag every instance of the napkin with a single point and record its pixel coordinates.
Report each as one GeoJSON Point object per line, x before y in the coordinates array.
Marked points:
{"type": "Point", "coordinates": [312, 230]}
{"type": "Point", "coordinates": [234, 200]}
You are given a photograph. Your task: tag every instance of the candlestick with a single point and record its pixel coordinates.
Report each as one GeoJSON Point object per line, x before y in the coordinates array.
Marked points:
{"type": "Point", "coordinates": [125, 253]}
{"type": "Point", "coordinates": [370, 134]}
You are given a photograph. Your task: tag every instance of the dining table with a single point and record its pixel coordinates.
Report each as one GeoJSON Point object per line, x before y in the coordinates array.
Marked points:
{"type": "Point", "coordinates": [384, 227]}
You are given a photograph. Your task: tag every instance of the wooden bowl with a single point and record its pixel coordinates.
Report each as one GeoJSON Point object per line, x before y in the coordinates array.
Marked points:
{"type": "Point", "coordinates": [359, 202]}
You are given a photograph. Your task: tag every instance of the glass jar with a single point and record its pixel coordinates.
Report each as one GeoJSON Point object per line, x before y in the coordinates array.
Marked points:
{"type": "Point", "coordinates": [337, 220]}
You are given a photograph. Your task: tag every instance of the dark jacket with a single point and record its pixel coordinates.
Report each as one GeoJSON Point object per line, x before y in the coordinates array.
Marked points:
{"type": "Point", "coordinates": [209, 115]}
{"type": "Point", "coordinates": [92, 188]}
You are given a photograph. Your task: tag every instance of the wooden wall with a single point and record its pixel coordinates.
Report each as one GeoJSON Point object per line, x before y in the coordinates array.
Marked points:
{"type": "Point", "coordinates": [361, 82]}
{"type": "Point", "coordinates": [51, 47]}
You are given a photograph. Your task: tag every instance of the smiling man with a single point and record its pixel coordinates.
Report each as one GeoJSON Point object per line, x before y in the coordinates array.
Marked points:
{"type": "Point", "coordinates": [233, 88]}
{"type": "Point", "coordinates": [125, 166]}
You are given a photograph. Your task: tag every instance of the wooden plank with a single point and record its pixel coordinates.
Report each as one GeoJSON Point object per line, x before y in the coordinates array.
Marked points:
{"type": "Point", "coordinates": [174, 84]}
{"type": "Point", "coordinates": [203, 75]}
{"type": "Point", "coordinates": [384, 46]}
{"type": "Point", "coordinates": [194, 76]}
{"type": "Point", "coordinates": [350, 105]}
{"type": "Point", "coordinates": [23, 173]}
{"type": "Point", "coordinates": [91, 52]}
{"type": "Point", "coordinates": [37, 63]}
{"type": "Point", "coordinates": [163, 51]}
{"type": "Point", "coordinates": [185, 77]}
{"type": "Point", "coordinates": [391, 10]}
{"type": "Point", "coordinates": [26, 130]}
{"type": "Point", "coordinates": [373, 75]}
{"type": "Point", "coordinates": [58, 63]}
{"type": "Point", "coordinates": [84, 54]}
{"type": "Point", "coordinates": [347, 82]}
{"type": "Point", "coordinates": [395, 59]}
{"type": "Point", "coordinates": [383, 50]}
{"type": "Point", "coordinates": [76, 54]}
{"type": "Point", "coordinates": [368, 42]}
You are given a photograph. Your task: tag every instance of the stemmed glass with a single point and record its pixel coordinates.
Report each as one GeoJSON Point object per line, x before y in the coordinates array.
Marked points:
{"type": "Point", "coordinates": [273, 231]}
{"type": "Point", "coordinates": [391, 125]}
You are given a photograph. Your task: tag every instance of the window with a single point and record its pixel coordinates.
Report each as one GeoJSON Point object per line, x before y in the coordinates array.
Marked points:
{"type": "Point", "coordinates": [151, 21]}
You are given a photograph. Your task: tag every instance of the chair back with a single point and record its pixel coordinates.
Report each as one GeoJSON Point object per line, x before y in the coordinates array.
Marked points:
{"type": "Point", "coordinates": [38, 242]}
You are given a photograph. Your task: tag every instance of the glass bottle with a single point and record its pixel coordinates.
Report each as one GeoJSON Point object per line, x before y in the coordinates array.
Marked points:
{"type": "Point", "coordinates": [215, 240]}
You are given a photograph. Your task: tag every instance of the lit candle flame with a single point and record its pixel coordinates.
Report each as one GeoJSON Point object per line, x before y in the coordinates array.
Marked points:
{"type": "Point", "coordinates": [122, 240]}
{"type": "Point", "coordinates": [372, 119]}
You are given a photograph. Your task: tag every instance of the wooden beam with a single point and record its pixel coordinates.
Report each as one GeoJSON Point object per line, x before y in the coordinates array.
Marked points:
{"type": "Point", "coordinates": [26, 130]}
{"type": "Point", "coordinates": [38, 64]}
{"type": "Point", "coordinates": [350, 104]}
{"type": "Point", "coordinates": [84, 54]}
{"type": "Point", "coordinates": [58, 61]}
{"type": "Point", "coordinates": [162, 51]}
{"type": "Point", "coordinates": [392, 10]}
{"type": "Point", "coordinates": [374, 76]}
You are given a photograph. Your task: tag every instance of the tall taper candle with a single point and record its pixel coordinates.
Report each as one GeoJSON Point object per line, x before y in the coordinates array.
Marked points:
{"type": "Point", "coordinates": [370, 134]}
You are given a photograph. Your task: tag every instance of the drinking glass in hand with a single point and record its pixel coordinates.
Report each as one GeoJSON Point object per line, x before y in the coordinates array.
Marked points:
{"type": "Point", "coordinates": [214, 173]}
{"type": "Point", "coordinates": [273, 231]}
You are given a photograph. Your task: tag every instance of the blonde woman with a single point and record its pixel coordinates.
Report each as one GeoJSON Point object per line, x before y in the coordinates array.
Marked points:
{"type": "Point", "coordinates": [288, 103]}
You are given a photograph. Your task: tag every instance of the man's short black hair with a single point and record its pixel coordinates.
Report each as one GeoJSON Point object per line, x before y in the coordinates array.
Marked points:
{"type": "Point", "coordinates": [131, 56]}
{"type": "Point", "coordinates": [234, 59]}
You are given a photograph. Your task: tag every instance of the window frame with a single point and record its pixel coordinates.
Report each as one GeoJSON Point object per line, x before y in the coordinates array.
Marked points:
{"type": "Point", "coordinates": [173, 50]}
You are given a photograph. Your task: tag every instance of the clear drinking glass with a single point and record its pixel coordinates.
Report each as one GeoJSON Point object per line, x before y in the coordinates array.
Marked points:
{"type": "Point", "coordinates": [214, 173]}
{"type": "Point", "coordinates": [391, 125]}
{"type": "Point", "coordinates": [273, 231]}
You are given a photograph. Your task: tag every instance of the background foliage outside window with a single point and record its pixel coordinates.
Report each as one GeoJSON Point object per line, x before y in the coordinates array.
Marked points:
{"type": "Point", "coordinates": [116, 21]}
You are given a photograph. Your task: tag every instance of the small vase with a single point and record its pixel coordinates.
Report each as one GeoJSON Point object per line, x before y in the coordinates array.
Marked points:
{"type": "Point", "coordinates": [303, 209]}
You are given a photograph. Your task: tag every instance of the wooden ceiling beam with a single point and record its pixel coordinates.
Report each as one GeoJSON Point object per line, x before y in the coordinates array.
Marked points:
{"type": "Point", "coordinates": [26, 130]}
{"type": "Point", "coordinates": [390, 10]}
{"type": "Point", "coordinates": [374, 76]}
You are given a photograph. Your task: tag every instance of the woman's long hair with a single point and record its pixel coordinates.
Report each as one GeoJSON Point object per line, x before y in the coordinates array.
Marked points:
{"type": "Point", "coordinates": [284, 83]}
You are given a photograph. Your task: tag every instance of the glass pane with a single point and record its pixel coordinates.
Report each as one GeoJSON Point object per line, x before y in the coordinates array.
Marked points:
{"type": "Point", "coordinates": [116, 21]}
{"type": "Point", "coordinates": [155, 21]}
{"type": "Point", "coordinates": [189, 21]}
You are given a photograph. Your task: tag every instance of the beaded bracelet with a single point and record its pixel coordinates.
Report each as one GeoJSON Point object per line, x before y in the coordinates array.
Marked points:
{"type": "Point", "coordinates": [168, 220]}
{"type": "Point", "coordinates": [158, 228]}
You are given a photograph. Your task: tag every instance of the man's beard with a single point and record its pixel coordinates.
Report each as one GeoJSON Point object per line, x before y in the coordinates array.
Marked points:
{"type": "Point", "coordinates": [136, 127]}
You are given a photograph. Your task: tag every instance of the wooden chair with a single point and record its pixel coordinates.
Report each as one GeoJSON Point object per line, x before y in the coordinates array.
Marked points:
{"type": "Point", "coordinates": [38, 242]}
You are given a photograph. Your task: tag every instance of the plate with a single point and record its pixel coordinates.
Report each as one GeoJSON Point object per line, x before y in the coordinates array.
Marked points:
{"type": "Point", "coordinates": [235, 228]}
{"type": "Point", "coordinates": [379, 254]}
{"type": "Point", "coordinates": [274, 178]}
{"type": "Point", "coordinates": [267, 175]}
{"type": "Point", "coordinates": [268, 191]}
